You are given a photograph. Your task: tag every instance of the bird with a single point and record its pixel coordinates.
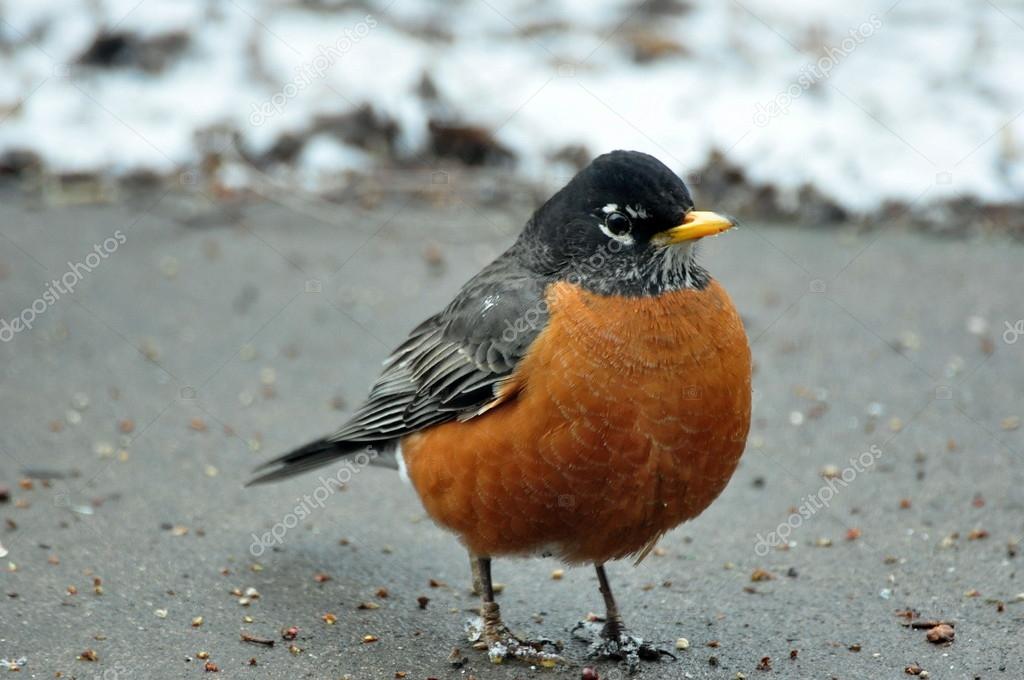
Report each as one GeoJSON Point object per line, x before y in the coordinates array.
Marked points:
{"type": "Point", "coordinates": [583, 394]}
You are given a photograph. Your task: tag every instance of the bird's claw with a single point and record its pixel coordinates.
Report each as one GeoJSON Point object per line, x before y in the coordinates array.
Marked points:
{"type": "Point", "coordinates": [621, 646]}
{"type": "Point", "coordinates": [501, 645]}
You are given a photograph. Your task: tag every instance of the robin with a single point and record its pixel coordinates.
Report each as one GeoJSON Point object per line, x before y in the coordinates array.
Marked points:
{"type": "Point", "coordinates": [586, 392]}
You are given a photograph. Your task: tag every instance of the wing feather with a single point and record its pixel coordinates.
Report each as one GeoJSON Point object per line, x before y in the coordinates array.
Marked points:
{"type": "Point", "coordinates": [454, 364]}
{"type": "Point", "coordinates": [457, 364]}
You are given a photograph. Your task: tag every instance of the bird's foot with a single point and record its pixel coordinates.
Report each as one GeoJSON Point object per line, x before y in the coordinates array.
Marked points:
{"type": "Point", "coordinates": [613, 642]}
{"type": "Point", "coordinates": [501, 645]}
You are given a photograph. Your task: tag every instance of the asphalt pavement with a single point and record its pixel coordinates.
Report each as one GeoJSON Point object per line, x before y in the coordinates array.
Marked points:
{"type": "Point", "coordinates": [881, 492]}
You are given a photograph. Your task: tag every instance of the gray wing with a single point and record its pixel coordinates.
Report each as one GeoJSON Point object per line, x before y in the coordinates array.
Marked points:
{"type": "Point", "coordinates": [452, 366]}
{"type": "Point", "coordinates": [454, 363]}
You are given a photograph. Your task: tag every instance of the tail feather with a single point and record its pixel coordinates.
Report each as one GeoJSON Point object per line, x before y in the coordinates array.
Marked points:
{"type": "Point", "coordinates": [312, 455]}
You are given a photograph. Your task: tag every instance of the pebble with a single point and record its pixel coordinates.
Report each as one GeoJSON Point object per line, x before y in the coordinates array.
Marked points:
{"type": "Point", "coordinates": [977, 325]}
{"type": "Point", "coordinates": [247, 353]}
{"type": "Point", "coordinates": [910, 340]}
{"type": "Point", "coordinates": [433, 255]}
{"type": "Point", "coordinates": [1010, 423]}
{"type": "Point", "coordinates": [268, 375]}
{"type": "Point", "coordinates": [682, 643]}
{"type": "Point", "coordinates": [940, 634]}
{"type": "Point", "coordinates": [557, 574]}
{"type": "Point", "coordinates": [150, 350]}
{"type": "Point", "coordinates": [796, 418]}
{"type": "Point", "coordinates": [160, 613]}
{"type": "Point", "coordinates": [80, 401]}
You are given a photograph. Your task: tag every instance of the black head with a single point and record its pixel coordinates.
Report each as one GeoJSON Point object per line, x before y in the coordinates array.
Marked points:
{"type": "Point", "coordinates": [624, 225]}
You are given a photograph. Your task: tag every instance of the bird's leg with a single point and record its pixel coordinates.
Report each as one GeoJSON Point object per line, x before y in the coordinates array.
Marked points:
{"type": "Point", "coordinates": [613, 625]}
{"type": "Point", "coordinates": [609, 640]}
{"type": "Point", "coordinates": [490, 633]}
{"type": "Point", "coordinates": [490, 612]}
{"type": "Point", "coordinates": [474, 566]}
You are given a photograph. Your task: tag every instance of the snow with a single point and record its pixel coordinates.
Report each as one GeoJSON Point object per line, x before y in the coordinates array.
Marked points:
{"type": "Point", "coordinates": [865, 102]}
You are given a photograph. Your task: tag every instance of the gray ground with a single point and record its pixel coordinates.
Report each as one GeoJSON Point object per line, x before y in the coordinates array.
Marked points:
{"type": "Point", "coordinates": [206, 331]}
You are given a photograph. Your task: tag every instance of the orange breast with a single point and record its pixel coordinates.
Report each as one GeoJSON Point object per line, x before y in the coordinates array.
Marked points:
{"type": "Point", "coordinates": [630, 418]}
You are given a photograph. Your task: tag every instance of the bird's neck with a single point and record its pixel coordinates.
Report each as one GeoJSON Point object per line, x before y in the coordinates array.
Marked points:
{"type": "Point", "coordinates": [647, 273]}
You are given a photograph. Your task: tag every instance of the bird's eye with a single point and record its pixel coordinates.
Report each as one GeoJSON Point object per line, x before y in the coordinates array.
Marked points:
{"type": "Point", "coordinates": [617, 223]}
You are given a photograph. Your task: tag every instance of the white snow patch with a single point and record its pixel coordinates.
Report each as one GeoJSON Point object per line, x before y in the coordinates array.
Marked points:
{"type": "Point", "coordinates": [864, 104]}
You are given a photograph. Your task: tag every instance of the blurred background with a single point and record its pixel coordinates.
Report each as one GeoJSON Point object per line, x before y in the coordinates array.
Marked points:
{"type": "Point", "coordinates": [808, 110]}
{"type": "Point", "coordinates": [218, 217]}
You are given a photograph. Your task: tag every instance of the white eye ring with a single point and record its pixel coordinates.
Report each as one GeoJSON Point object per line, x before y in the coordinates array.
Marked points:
{"type": "Point", "coordinates": [618, 226]}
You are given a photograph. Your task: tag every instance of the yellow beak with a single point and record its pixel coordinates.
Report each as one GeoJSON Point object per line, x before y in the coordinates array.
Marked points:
{"type": "Point", "coordinates": [697, 224]}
